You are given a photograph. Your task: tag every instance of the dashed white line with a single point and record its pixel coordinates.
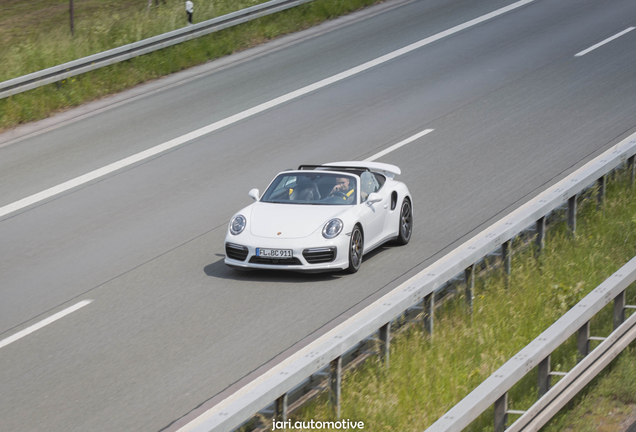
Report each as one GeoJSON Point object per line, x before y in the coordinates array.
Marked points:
{"type": "Point", "coordinates": [593, 47]}
{"type": "Point", "coordinates": [48, 193]}
{"type": "Point", "coordinates": [398, 145]}
{"type": "Point", "coordinates": [47, 321]}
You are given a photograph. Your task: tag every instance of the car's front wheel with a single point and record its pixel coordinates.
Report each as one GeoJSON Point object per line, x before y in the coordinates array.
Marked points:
{"type": "Point", "coordinates": [406, 222]}
{"type": "Point", "coordinates": [356, 245]}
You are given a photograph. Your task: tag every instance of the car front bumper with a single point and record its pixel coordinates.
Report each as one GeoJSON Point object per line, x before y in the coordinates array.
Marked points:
{"type": "Point", "coordinates": [309, 254]}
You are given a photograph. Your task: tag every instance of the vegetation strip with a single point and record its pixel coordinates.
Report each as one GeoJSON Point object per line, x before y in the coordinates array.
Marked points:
{"type": "Point", "coordinates": [108, 27]}
{"type": "Point", "coordinates": [126, 52]}
{"type": "Point", "coordinates": [428, 376]}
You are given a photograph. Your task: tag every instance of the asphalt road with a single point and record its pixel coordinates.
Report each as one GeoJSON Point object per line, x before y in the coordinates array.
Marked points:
{"type": "Point", "coordinates": [513, 111]}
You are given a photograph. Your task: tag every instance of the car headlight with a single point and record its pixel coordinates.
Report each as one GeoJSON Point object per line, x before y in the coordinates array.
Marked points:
{"type": "Point", "coordinates": [332, 228]}
{"type": "Point", "coordinates": [237, 224]}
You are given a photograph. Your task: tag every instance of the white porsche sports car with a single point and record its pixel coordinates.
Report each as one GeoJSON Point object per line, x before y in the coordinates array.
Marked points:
{"type": "Point", "coordinates": [320, 218]}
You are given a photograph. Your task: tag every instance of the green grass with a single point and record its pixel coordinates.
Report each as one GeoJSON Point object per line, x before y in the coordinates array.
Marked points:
{"type": "Point", "coordinates": [428, 376]}
{"type": "Point", "coordinates": [99, 25]}
{"type": "Point", "coordinates": [106, 24]}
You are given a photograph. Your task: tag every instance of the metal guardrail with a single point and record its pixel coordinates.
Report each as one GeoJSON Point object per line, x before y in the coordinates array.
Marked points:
{"type": "Point", "coordinates": [328, 350]}
{"type": "Point", "coordinates": [577, 378]}
{"type": "Point", "coordinates": [126, 52]}
{"type": "Point", "coordinates": [494, 390]}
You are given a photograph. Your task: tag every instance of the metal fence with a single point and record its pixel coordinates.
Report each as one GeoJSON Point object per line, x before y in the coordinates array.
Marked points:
{"type": "Point", "coordinates": [126, 52]}
{"type": "Point", "coordinates": [325, 355]}
{"type": "Point", "coordinates": [536, 355]}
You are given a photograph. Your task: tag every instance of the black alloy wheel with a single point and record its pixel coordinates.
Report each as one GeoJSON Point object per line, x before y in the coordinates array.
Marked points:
{"type": "Point", "coordinates": [406, 223]}
{"type": "Point", "coordinates": [355, 250]}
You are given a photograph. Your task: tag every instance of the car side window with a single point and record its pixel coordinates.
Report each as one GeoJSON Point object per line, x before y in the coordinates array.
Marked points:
{"type": "Point", "coordinates": [368, 185]}
{"type": "Point", "coordinates": [381, 179]}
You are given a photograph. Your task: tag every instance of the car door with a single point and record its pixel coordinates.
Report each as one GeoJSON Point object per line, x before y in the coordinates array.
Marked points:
{"type": "Point", "coordinates": [374, 213]}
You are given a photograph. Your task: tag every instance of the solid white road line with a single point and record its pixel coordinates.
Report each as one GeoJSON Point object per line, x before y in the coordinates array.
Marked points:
{"type": "Point", "coordinates": [43, 323]}
{"type": "Point", "coordinates": [398, 145]}
{"type": "Point", "coordinates": [593, 47]}
{"type": "Point", "coordinates": [25, 202]}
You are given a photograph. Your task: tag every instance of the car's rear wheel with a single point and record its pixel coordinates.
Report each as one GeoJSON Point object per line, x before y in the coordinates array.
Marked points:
{"type": "Point", "coordinates": [406, 222]}
{"type": "Point", "coordinates": [356, 245]}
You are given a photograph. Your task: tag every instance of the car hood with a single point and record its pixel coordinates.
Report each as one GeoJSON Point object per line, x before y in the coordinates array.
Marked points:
{"type": "Point", "coordinates": [288, 221]}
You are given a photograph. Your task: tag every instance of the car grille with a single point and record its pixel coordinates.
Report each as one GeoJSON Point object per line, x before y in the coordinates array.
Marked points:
{"type": "Point", "coordinates": [320, 255]}
{"type": "Point", "coordinates": [236, 252]}
{"type": "Point", "coordinates": [275, 261]}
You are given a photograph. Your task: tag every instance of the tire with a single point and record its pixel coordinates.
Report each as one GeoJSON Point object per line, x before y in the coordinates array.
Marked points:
{"type": "Point", "coordinates": [356, 246]}
{"type": "Point", "coordinates": [405, 229]}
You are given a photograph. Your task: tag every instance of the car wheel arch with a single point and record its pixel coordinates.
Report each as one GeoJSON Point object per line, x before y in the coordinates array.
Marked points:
{"type": "Point", "coordinates": [358, 224]}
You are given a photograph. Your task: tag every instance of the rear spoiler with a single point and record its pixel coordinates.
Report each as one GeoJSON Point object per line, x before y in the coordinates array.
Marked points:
{"type": "Point", "coordinates": [329, 168]}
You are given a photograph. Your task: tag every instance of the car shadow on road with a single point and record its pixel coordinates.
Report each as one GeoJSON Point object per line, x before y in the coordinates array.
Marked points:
{"type": "Point", "coordinates": [219, 270]}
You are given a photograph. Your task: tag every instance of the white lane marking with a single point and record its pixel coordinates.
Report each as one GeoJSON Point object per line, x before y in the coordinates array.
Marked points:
{"type": "Point", "coordinates": [25, 202]}
{"type": "Point", "coordinates": [593, 47]}
{"type": "Point", "coordinates": [43, 323]}
{"type": "Point", "coordinates": [398, 145]}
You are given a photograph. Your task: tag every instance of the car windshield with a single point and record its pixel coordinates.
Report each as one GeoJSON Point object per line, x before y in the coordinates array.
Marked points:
{"type": "Point", "coordinates": [314, 187]}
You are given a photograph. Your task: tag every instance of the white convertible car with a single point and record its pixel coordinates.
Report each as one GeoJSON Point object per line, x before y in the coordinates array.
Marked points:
{"type": "Point", "coordinates": [320, 218]}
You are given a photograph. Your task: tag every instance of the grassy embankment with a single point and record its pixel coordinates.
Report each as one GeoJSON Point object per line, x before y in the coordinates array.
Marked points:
{"type": "Point", "coordinates": [428, 376]}
{"type": "Point", "coordinates": [36, 35]}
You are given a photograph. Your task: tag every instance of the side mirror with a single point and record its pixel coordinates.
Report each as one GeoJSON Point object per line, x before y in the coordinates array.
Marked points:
{"type": "Point", "coordinates": [254, 194]}
{"type": "Point", "coordinates": [374, 198]}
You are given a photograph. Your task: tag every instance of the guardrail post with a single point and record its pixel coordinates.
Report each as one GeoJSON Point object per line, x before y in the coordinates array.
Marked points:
{"type": "Point", "coordinates": [540, 240]}
{"type": "Point", "coordinates": [429, 309]}
{"type": "Point", "coordinates": [619, 309]}
{"type": "Point", "coordinates": [544, 376]}
{"type": "Point", "coordinates": [583, 340]}
{"type": "Point", "coordinates": [469, 276]}
{"type": "Point", "coordinates": [385, 338]}
{"type": "Point", "coordinates": [632, 169]}
{"type": "Point", "coordinates": [601, 190]}
{"type": "Point", "coordinates": [281, 408]}
{"type": "Point", "coordinates": [501, 416]}
{"type": "Point", "coordinates": [335, 380]}
{"type": "Point", "coordinates": [72, 14]}
{"type": "Point", "coordinates": [506, 259]}
{"type": "Point", "coordinates": [572, 214]}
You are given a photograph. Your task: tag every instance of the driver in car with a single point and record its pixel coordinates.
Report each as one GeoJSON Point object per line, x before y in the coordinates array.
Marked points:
{"type": "Point", "coordinates": [343, 188]}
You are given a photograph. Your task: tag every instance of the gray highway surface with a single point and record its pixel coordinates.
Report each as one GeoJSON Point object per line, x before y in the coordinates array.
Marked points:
{"type": "Point", "coordinates": [170, 328]}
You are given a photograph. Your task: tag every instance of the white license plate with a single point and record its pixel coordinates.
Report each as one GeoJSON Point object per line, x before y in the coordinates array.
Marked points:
{"type": "Point", "coordinates": [274, 253]}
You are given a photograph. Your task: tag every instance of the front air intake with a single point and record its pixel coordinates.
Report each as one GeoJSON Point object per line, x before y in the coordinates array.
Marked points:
{"type": "Point", "coordinates": [275, 261]}
{"type": "Point", "coordinates": [236, 252]}
{"type": "Point", "coordinates": [320, 255]}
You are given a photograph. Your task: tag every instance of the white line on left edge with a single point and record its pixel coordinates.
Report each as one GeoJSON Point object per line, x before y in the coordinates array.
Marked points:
{"type": "Point", "coordinates": [25, 202]}
{"type": "Point", "coordinates": [43, 323]}
{"type": "Point", "coordinates": [398, 145]}
{"type": "Point", "coordinates": [609, 39]}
